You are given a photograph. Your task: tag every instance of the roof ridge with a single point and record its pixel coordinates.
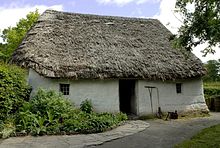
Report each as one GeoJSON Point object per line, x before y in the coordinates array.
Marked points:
{"type": "Point", "coordinates": [51, 11]}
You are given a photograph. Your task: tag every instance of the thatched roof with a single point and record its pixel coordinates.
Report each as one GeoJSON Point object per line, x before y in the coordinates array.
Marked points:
{"type": "Point", "coordinates": [81, 46]}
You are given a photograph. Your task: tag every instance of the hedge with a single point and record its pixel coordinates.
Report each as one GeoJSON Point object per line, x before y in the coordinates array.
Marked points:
{"type": "Point", "coordinates": [14, 89]}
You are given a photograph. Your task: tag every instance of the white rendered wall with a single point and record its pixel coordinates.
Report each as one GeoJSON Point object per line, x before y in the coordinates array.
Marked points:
{"type": "Point", "coordinates": [191, 98]}
{"type": "Point", "coordinates": [103, 93]}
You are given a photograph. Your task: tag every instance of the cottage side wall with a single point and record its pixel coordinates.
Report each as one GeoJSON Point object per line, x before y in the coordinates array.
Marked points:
{"type": "Point", "coordinates": [191, 98]}
{"type": "Point", "coordinates": [103, 93]}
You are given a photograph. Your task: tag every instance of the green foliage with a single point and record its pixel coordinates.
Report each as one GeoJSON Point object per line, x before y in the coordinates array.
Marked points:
{"type": "Point", "coordinates": [212, 84]}
{"type": "Point", "coordinates": [211, 89]}
{"type": "Point", "coordinates": [199, 26]}
{"type": "Point", "coordinates": [50, 113]}
{"type": "Point", "coordinates": [43, 111]}
{"type": "Point", "coordinates": [7, 131]}
{"type": "Point", "coordinates": [209, 92]}
{"type": "Point", "coordinates": [13, 89]}
{"type": "Point", "coordinates": [92, 123]}
{"type": "Point", "coordinates": [49, 102]}
{"type": "Point", "coordinates": [86, 106]}
{"type": "Point", "coordinates": [3, 48]}
{"type": "Point", "coordinates": [213, 71]}
{"type": "Point", "coordinates": [121, 116]}
{"type": "Point", "coordinates": [7, 128]}
{"type": "Point", "coordinates": [207, 138]}
{"type": "Point", "coordinates": [14, 35]}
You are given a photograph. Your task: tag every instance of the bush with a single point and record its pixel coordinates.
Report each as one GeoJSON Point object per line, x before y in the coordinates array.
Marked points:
{"type": "Point", "coordinates": [13, 89]}
{"type": "Point", "coordinates": [7, 127]}
{"type": "Point", "coordinates": [86, 106]}
{"type": "Point", "coordinates": [50, 102]}
{"type": "Point", "coordinates": [45, 110]}
{"type": "Point", "coordinates": [50, 113]}
{"type": "Point", "coordinates": [93, 123]}
{"type": "Point", "coordinates": [209, 92]}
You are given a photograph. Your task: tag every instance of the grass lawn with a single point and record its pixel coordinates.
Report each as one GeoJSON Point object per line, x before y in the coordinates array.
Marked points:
{"type": "Point", "coordinates": [212, 85]}
{"type": "Point", "coordinates": [207, 138]}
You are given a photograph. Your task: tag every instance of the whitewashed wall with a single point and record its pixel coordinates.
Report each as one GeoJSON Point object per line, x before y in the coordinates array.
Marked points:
{"type": "Point", "coordinates": [191, 98]}
{"type": "Point", "coordinates": [103, 93]}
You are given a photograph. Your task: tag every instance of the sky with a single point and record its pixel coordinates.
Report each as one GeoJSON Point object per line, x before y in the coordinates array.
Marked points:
{"type": "Point", "coordinates": [13, 10]}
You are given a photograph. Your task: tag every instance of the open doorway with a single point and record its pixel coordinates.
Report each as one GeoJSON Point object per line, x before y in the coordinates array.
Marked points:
{"type": "Point", "coordinates": [127, 96]}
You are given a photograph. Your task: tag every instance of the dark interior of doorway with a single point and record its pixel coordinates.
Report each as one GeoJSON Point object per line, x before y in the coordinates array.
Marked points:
{"type": "Point", "coordinates": [127, 96]}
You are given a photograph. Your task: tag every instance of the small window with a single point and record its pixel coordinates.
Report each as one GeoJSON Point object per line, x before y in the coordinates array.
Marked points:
{"type": "Point", "coordinates": [178, 88]}
{"type": "Point", "coordinates": [65, 89]}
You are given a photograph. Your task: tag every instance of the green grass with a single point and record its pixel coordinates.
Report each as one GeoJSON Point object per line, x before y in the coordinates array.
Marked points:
{"type": "Point", "coordinates": [211, 89]}
{"type": "Point", "coordinates": [207, 138]}
{"type": "Point", "coordinates": [212, 85]}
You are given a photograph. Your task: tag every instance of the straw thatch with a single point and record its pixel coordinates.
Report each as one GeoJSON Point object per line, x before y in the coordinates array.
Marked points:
{"type": "Point", "coordinates": [81, 46]}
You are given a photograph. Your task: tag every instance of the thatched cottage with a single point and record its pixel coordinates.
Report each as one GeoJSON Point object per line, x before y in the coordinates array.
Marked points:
{"type": "Point", "coordinates": [121, 64]}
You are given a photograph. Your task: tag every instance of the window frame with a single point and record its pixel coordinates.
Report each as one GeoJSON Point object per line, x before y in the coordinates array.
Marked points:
{"type": "Point", "coordinates": [179, 88]}
{"type": "Point", "coordinates": [64, 89]}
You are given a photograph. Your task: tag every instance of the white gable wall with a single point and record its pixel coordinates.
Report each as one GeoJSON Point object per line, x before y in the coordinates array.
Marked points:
{"type": "Point", "coordinates": [103, 93]}
{"type": "Point", "coordinates": [191, 98]}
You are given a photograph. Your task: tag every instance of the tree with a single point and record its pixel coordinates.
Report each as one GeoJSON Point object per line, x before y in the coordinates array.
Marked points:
{"type": "Point", "coordinates": [213, 71]}
{"type": "Point", "coordinates": [13, 36]}
{"type": "Point", "coordinates": [2, 52]}
{"type": "Point", "coordinates": [200, 25]}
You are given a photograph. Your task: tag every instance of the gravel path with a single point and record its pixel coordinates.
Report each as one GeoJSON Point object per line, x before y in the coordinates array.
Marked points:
{"type": "Point", "coordinates": [164, 134]}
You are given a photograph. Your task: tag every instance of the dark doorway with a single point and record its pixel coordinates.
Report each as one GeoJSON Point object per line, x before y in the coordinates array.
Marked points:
{"type": "Point", "coordinates": [127, 96]}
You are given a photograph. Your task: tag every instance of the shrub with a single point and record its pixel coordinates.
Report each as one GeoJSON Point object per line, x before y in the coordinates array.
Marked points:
{"type": "Point", "coordinates": [86, 106]}
{"type": "Point", "coordinates": [13, 89]}
{"type": "Point", "coordinates": [44, 112]}
{"type": "Point", "coordinates": [7, 128]}
{"type": "Point", "coordinates": [45, 102]}
{"type": "Point", "coordinates": [93, 123]}
{"type": "Point", "coordinates": [50, 113]}
{"type": "Point", "coordinates": [209, 92]}
{"type": "Point", "coordinates": [101, 122]}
